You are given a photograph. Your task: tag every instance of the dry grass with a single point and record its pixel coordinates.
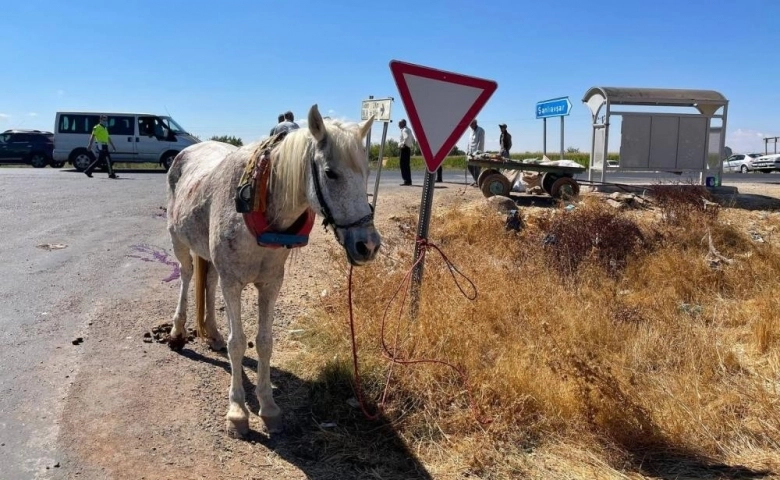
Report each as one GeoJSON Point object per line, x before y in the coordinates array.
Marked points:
{"type": "Point", "coordinates": [602, 344]}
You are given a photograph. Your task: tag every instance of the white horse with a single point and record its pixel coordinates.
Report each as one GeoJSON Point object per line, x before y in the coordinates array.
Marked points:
{"type": "Point", "coordinates": [321, 167]}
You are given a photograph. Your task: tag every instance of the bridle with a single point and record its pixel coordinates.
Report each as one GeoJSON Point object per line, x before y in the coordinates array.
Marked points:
{"type": "Point", "coordinates": [328, 219]}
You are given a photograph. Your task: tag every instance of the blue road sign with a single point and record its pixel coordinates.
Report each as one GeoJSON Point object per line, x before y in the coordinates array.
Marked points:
{"type": "Point", "coordinates": [556, 107]}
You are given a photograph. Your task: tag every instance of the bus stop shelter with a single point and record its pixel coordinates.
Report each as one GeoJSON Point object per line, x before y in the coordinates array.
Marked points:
{"type": "Point", "coordinates": [691, 141]}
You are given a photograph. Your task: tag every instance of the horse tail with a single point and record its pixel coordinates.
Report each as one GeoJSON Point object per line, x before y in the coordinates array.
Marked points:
{"type": "Point", "coordinates": [174, 173]}
{"type": "Point", "coordinates": [201, 273]}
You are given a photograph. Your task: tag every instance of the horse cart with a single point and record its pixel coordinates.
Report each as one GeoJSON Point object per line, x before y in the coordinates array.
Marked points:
{"type": "Point", "coordinates": [556, 178]}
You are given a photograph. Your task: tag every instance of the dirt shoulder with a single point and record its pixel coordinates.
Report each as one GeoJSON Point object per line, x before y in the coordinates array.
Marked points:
{"type": "Point", "coordinates": [139, 410]}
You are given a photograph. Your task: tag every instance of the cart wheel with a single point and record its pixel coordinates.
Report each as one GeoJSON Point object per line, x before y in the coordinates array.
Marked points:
{"type": "Point", "coordinates": [484, 174]}
{"type": "Point", "coordinates": [495, 184]}
{"type": "Point", "coordinates": [547, 182]}
{"type": "Point", "coordinates": [564, 188]}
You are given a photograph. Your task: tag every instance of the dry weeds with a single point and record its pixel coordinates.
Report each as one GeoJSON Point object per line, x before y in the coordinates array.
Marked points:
{"type": "Point", "coordinates": [604, 340]}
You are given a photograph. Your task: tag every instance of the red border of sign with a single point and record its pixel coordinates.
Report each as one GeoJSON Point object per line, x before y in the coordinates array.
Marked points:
{"type": "Point", "coordinates": [434, 160]}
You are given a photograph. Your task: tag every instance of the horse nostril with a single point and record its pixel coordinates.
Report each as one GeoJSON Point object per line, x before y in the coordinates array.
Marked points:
{"type": "Point", "coordinates": [376, 249]}
{"type": "Point", "coordinates": [362, 249]}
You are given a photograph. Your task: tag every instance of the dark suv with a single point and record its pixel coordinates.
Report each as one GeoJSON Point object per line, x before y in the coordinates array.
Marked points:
{"type": "Point", "coordinates": [32, 147]}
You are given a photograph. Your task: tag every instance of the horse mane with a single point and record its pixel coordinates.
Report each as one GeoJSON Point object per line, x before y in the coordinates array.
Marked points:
{"type": "Point", "coordinates": [291, 157]}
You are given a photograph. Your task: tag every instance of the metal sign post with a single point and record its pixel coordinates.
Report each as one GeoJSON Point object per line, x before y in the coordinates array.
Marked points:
{"type": "Point", "coordinates": [426, 203]}
{"type": "Point", "coordinates": [433, 98]}
{"type": "Point", "coordinates": [379, 161]}
{"type": "Point", "coordinates": [562, 137]}
{"type": "Point", "coordinates": [368, 140]}
{"type": "Point", "coordinates": [380, 109]}
{"type": "Point", "coordinates": [555, 107]}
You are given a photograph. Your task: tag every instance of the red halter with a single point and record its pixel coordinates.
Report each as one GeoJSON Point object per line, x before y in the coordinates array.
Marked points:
{"type": "Point", "coordinates": [296, 236]}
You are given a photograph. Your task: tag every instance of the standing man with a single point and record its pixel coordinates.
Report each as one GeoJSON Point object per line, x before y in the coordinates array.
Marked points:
{"type": "Point", "coordinates": [287, 125]}
{"type": "Point", "coordinates": [505, 140]}
{"type": "Point", "coordinates": [476, 145]}
{"type": "Point", "coordinates": [101, 139]}
{"type": "Point", "coordinates": [405, 143]}
{"type": "Point", "coordinates": [279, 120]}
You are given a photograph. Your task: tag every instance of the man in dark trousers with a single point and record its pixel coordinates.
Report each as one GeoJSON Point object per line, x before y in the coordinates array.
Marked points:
{"type": "Point", "coordinates": [476, 145]}
{"type": "Point", "coordinates": [405, 143]}
{"type": "Point", "coordinates": [102, 140]}
{"type": "Point", "coordinates": [505, 140]}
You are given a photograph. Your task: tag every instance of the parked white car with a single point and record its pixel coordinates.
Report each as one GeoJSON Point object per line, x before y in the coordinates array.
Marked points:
{"type": "Point", "coordinates": [742, 163]}
{"type": "Point", "coordinates": [138, 138]}
{"type": "Point", "coordinates": [767, 163]}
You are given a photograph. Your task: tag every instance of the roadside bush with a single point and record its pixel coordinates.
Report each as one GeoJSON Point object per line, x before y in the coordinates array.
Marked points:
{"type": "Point", "coordinates": [591, 232]}
{"type": "Point", "coordinates": [681, 203]}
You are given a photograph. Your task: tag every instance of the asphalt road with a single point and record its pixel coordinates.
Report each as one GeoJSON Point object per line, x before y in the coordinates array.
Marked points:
{"type": "Point", "coordinates": [48, 296]}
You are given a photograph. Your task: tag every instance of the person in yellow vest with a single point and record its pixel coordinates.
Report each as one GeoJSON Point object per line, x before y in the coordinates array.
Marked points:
{"type": "Point", "coordinates": [101, 139]}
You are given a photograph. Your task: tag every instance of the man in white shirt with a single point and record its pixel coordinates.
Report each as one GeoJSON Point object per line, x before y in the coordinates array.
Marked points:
{"type": "Point", "coordinates": [405, 143]}
{"type": "Point", "coordinates": [476, 145]}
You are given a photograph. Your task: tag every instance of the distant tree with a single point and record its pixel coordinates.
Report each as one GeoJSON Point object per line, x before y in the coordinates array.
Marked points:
{"type": "Point", "coordinates": [228, 139]}
{"type": "Point", "coordinates": [391, 149]}
{"type": "Point", "coordinates": [456, 151]}
{"type": "Point", "coordinates": [572, 150]}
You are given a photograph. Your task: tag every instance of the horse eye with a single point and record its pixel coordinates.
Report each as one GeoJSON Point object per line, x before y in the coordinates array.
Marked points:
{"type": "Point", "coordinates": [331, 174]}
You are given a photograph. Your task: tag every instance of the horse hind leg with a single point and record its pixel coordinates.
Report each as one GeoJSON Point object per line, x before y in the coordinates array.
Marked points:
{"type": "Point", "coordinates": [178, 332]}
{"type": "Point", "coordinates": [213, 337]}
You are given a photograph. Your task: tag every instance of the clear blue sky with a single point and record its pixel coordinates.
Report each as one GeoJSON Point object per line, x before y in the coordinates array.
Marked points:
{"type": "Point", "coordinates": [230, 67]}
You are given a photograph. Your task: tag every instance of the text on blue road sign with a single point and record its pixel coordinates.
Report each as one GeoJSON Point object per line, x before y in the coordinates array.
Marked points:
{"type": "Point", "coordinates": [553, 108]}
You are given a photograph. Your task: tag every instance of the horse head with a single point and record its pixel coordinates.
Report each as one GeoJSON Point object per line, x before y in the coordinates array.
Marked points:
{"type": "Point", "coordinates": [336, 185]}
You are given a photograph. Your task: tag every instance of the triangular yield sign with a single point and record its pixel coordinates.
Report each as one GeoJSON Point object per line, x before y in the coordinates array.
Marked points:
{"type": "Point", "coordinates": [440, 104]}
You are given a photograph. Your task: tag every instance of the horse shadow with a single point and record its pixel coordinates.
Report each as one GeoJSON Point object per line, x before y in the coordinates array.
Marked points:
{"type": "Point", "coordinates": [323, 435]}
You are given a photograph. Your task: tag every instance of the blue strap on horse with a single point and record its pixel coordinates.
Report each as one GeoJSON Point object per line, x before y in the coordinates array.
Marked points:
{"type": "Point", "coordinates": [251, 202]}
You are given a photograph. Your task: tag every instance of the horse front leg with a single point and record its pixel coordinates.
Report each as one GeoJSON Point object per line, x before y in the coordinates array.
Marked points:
{"type": "Point", "coordinates": [238, 415]}
{"type": "Point", "coordinates": [270, 413]}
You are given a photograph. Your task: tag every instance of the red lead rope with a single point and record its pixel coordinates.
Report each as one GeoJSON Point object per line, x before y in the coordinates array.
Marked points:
{"type": "Point", "coordinates": [392, 356]}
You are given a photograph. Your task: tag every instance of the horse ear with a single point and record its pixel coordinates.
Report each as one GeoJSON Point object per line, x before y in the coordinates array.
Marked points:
{"type": "Point", "coordinates": [316, 124]}
{"type": "Point", "coordinates": [364, 129]}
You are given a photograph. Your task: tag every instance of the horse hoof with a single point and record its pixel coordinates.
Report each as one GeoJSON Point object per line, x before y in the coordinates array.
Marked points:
{"type": "Point", "coordinates": [238, 428]}
{"type": "Point", "coordinates": [217, 344]}
{"type": "Point", "coordinates": [273, 424]}
{"type": "Point", "coordinates": [177, 343]}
